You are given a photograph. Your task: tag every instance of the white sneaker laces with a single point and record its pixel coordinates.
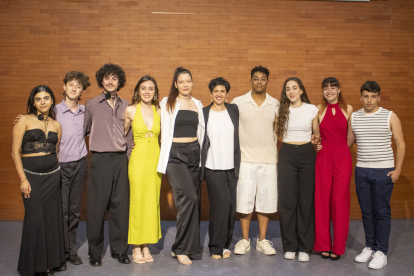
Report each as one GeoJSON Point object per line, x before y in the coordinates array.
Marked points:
{"type": "Point", "coordinates": [267, 242]}
{"type": "Point", "coordinates": [241, 241]}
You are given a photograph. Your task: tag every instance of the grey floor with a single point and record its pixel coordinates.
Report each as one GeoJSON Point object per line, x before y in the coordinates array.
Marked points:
{"type": "Point", "coordinates": [400, 255]}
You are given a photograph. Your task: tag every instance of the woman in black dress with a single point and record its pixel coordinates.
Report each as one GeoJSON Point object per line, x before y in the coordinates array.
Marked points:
{"type": "Point", "coordinates": [36, 139]}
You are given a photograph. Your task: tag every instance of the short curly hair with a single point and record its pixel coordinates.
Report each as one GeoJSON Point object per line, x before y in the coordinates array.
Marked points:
{"type": "Point", "coordinates": [219, 81]}
{"type": "Point", "coordinates": [260, 69]}
{"type": "Point", "coordinates": [111, 69]}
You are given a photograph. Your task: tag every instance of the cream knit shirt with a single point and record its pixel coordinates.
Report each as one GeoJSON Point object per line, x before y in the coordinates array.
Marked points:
{"type": "Point", "coordinates": [257, 138]}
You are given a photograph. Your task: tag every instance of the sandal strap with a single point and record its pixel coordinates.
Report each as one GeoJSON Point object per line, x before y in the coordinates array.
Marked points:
{"type": "Point", "coordinates": [185, 260]}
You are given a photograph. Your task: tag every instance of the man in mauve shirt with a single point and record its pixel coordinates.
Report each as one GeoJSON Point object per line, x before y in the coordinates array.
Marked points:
{"type": "Point", "coordinates": [72, 158]}
{"type": "Point", "coordinates": [108, 187]}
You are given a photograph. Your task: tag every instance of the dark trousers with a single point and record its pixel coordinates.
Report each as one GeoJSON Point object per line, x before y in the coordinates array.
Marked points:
{"type": "Point", "coordinates": [296, 186]}
{"type": "Point", "coordinates": [374, 189]}
{"type": "Point", "coordinates": [221, 187]}
{"type": "Point", "coordinates": [183, 174]}
{"type": "Point", "coordinates": [73, 181]}
{"type": "Point", "coordinates": [108, 190]}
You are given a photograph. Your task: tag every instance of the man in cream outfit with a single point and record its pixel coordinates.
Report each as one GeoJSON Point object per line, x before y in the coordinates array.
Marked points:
{"type": "Point", "coordinates": [257, 184]}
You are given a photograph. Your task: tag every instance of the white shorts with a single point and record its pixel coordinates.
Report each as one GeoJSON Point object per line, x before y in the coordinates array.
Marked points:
{"type": "Point", "coordinates": [257, 184]}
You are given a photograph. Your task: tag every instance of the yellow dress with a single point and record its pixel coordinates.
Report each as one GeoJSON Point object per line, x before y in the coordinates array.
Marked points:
{"type": "Point", "coordinates": [144, 181]}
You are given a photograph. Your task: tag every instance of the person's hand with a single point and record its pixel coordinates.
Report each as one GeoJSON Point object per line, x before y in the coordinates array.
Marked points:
{"type": "Point", "coordinates": [133, 144]}
{"type": "Point", "coordinates": [318, 147]}
{"type": "Point", "coordinates": [394, 175]}
{"type": "Point", "coordinates": [17, 119]}
{"type": "Point", "coordinates": [315, 139]}
{"type": "Point", "coordinates": [25, 188]}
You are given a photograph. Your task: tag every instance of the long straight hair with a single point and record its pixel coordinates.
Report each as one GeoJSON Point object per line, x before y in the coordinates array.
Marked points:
{"type": "Point", "coordinates": [31, 109]}
{"type": "Point", "coordinates": [172, 97]}
{"type": "Point", "coordinates": [333, 82]}
{"type": "Point", "coordinates": [283, 118]}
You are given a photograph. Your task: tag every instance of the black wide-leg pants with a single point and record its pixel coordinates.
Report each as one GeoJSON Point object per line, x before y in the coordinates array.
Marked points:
{"type": "Point", "coordinates": [221, 187]}
{"type": "Point", "coordinates": [108, 190]}
{"type": "Point", "coordinates": [296, 187]}
{"type": "Point", "coordinates": [73, 181]}
{"type": "Point", "coordinates": [183, 174]}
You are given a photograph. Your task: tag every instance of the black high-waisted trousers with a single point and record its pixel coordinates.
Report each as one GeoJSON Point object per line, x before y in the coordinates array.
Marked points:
{"type": "Point", "coordinates": [183, 174]}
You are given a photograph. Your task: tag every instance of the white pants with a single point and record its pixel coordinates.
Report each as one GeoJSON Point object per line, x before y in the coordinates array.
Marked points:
{"type": "Point", "coordinates": [257, 184]}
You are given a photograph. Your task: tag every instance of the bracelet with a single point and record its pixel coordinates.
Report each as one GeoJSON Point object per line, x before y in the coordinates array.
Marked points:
{"type": "Point", "coordinates": [23, 180]}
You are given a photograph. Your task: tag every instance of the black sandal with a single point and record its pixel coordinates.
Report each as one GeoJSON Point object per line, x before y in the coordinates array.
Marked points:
{"type": "Point", "coordinates": [337, 257]}
{"type": "Point", "coordinates": [326, 256]}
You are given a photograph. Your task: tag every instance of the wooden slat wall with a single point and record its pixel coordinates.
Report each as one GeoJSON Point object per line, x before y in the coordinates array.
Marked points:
{"type": "Point", "coordinates": [355, 42]}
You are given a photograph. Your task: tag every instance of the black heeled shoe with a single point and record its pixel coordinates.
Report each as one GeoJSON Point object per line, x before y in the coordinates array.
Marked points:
{"type": "Point", "coordinates": [337, 257]}
{"type": "Point", "coordinates": [326, 256]}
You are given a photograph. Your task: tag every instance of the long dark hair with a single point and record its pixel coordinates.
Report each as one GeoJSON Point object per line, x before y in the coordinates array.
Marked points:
{"type": "Point", "coordinates": [283, 118]}
{"type": "Point", "coordinates": [136, 98]}
{"type": "Point", "coordinates": [172, 97]}
{"type": "Point", "coordinates": [333, 82]}
{"type": "Point", "coordinates": [31, 109]}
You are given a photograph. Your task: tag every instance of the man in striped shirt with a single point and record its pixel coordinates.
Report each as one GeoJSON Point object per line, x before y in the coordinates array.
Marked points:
{"type": "Point", "coordinates": [371, 128]}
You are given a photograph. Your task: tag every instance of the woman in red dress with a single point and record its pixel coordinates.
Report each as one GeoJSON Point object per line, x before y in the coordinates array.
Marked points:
{"type": "Point", "coordinates": [333, 173]}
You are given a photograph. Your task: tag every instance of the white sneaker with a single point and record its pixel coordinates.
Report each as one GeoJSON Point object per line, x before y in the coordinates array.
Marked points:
{"type": "Point", "coordinates": [266, 247]}
{"type": "Point", "coordinates": [290, 255]}
{"type": "Point", "coordinates": [242, 247]}
{"type": "Point", "coordinates": [364, 256]}
{"type": "Point", "coordinates": [378, 261]}
{"type": "Point", "coordinates": [303, 257]}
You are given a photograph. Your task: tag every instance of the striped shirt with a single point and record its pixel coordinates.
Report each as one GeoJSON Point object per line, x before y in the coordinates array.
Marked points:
{"type": "Point", "coordinates": [373, 138]}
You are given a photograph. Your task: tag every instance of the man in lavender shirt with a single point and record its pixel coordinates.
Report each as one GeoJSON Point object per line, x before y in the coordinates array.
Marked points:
{"type": "Point", "coordinates": [72, 157]}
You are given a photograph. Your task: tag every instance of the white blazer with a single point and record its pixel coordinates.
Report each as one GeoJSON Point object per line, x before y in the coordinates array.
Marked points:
{"type": "Point", "coordinates": [167, 130]}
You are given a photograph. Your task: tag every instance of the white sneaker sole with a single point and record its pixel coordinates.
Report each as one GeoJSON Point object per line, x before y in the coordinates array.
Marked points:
{"type": "Point", "coordinates": [290, 258]}
{"type": "Point", "coordinates": [268, 254]}
{"type": "Point", "coordinates": [241, 253]}
{"type": "Point", "coordinates": [370, 258]}
{"type": "Point", "coordinates": [378, 267]}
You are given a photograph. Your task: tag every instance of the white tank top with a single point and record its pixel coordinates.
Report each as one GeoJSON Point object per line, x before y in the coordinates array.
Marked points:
{"type": "Point", "coordinates": [299, 128]}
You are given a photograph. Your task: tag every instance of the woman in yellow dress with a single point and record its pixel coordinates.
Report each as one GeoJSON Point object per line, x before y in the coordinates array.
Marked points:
{"type": "Point", "coordinates": [144, 180]}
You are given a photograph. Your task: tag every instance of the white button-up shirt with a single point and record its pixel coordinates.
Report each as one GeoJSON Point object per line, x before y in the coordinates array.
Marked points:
{"type": "Point", "coordinates": [167, 130]}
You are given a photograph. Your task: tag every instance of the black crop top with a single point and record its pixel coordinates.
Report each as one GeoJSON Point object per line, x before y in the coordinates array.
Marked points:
{"type": "Point", "coordinates": [186, 124]}
{"type": "Point", "coordinates": [35, 141]}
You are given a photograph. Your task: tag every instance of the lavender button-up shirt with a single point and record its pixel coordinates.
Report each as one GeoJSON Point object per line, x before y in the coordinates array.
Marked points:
{"type": "Point", "coordinates": [72, 144]}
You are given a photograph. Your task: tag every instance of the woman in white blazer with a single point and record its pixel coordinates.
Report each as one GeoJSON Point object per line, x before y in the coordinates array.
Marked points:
{"type": "Point", "coordinates": [182, 125]}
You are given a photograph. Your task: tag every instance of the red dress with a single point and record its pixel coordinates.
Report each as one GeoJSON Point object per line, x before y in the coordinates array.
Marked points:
{"type": "Point", "coordinates": [332, 179]}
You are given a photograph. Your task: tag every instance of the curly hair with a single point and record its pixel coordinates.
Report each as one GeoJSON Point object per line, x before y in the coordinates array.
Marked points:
{"type": "Point", "coordinates": [260, 69]}
{"type": "Point", "coordinates": [111, 69]}
{"type": "Point", "coordinates": [331, 81]}
{"type": "Point", "coordinates": [31, 109]}
{"type": "Point", "coordinates": [79, 77]}
{"type": "Point", "coordinates": [219, 81]}
{"type": "Point", "coordinates": [136, 98]}
{"type": "Point", "coordinates": [283, 118]}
